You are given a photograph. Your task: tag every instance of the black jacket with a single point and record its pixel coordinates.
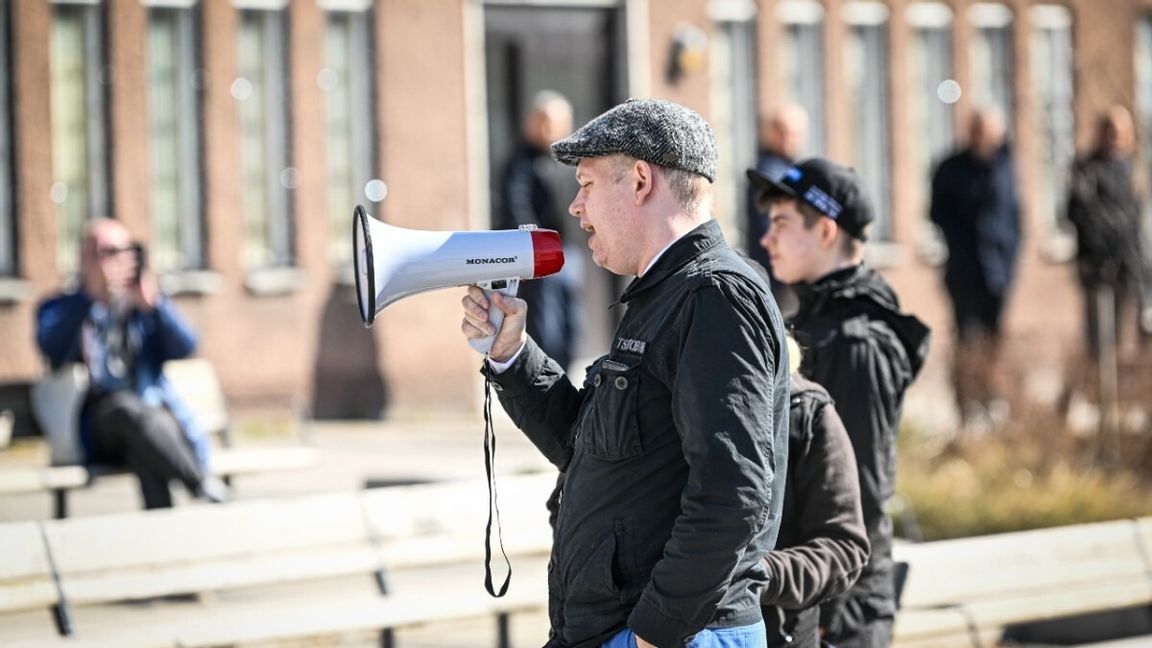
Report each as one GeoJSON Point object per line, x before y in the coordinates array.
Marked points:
{"type": "Point", "coordinates": [859, 347]}
{"type": "Point", "coordinates": [975, 203]}
{"type": "Point", "coordinates": [674, 453]}
{"type": "Point", "coordinates": [823, 545]}
{"type": "Point", "coordinates": [1105, 211]}
{"type": "Point", "coordinates": [527, 193]}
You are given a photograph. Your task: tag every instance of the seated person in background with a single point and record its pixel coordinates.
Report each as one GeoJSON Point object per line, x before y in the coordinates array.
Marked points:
{"type": "Point", "coordinates": [119, 325]}
{"type": "Point", "coordinates": [823, 545]}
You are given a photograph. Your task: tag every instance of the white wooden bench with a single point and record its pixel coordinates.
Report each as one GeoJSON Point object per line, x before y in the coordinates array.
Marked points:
{"type": "Point", "coordinates": [214, 548]}
{"type": "Point", "coordinates": [964, 592]}
{"type": "Point", "coordinates": [194, 379]}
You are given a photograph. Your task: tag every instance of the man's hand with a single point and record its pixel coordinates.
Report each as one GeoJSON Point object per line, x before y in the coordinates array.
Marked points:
{"type": "Point", "coordinates": [475, 324]}
{"type": "Point", "coordinates": [146, 292]}
{"type": "Point", "coordinates": [640, 643]}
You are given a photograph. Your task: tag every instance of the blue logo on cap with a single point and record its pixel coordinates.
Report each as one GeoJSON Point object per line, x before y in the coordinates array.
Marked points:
{"type": "Point", "coordinates": [793, 174]}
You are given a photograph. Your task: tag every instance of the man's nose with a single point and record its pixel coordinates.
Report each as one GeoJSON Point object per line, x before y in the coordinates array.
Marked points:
{"type": "Point", "coordinates": [576, 207]}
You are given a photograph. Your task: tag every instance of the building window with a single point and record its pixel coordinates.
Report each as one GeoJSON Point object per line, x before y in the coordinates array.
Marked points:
{"type": "Point", "coordinates": [934, 91]}
{"type": "Point", "coordinates": [866, 70]}
{"type": "Point", "coordinates": [803, 59]}
{"type": "Point", "coordinates": [347, 81]}
{"type": "Point", "coordinates": [80, 169]}
{"type": "Point", "coordinates": [1144, 105]}
{"type": "Point", "coordinates": [267, 177]}
{"type": "Point", "coordinates": [7, 203]}
{"type": "Point", "coordinates": [174, 83]}
{"type": "Point", "coordinates": [1052, 88]}
{"type": "Point", "coordinates": [992, 61]}
{"type": "Point", "coordinates": [734, 106]}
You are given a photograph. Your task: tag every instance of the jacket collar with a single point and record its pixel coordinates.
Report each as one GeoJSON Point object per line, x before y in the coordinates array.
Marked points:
{"type": "Point", "coordinates": [705, 237]}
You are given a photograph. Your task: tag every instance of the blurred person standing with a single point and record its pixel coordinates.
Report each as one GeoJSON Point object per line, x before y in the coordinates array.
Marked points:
{"type": "Point", "coordinates": [975, 205]}
{"type": "Point", "coordinates": [1105, 211]}
{"type": "Point", "coordinates": [783, 134]}
{"type": "Point", "coordinates": [529, 196]}
{"type": "Point", "coordinates": [858, 346]}
{"type": "Point", "coordinates": [674, 450]}
{"type": "Point", "coordinates": [123, 329]}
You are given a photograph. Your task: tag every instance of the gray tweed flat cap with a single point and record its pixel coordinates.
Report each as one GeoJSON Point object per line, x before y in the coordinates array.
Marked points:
{"type": "Point", "coordinates": [653, 130]}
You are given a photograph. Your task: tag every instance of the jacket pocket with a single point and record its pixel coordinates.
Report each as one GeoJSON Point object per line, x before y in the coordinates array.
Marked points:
{"type": "Point", "coordinates": [612, 424]}
{"type": "Point", "coordinates": [609, 574]}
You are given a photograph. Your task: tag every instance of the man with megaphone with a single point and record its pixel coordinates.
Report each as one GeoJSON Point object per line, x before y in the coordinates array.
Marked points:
{"type": "Point", "coordinates": [674, 450]}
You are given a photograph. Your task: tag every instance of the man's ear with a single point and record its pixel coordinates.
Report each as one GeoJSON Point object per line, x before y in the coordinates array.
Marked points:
{"type": "Point", "coordinates": [642, 184]}
{"type": "Point", "coordinates": [829, 232]}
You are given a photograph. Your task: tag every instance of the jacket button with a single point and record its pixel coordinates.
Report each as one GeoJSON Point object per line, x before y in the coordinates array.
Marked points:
{"type": "Point", "coordinates": [597, 380]}
{"type": "Point", "coordinates": [621, 383]}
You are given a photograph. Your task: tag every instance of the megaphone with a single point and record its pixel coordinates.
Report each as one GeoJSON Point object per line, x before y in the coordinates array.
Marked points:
{"type": "Point", "coordinates": [394, 262]}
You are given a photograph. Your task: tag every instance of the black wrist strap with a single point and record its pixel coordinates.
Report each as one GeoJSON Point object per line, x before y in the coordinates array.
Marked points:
{"type": "Point", "coordinates": [493, 505]}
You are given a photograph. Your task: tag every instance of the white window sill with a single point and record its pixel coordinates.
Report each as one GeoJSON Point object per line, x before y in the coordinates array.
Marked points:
{"type": "Point", "coordinates": [190, 282]}
{"type": "Point", "coordinates": [14, 290]}
{"type": "Point", "coordinates": [272, 282]}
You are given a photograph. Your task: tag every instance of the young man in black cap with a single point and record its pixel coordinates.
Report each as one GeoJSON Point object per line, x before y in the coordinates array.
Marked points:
{"type": "Point", "coordinates": [674, 451]}
{"type": "Point", "coordinates": [857, 345]}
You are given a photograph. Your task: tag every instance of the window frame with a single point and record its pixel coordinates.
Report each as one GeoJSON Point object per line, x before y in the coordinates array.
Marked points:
{"type": "Point", "coordinates": [275, 247]}
{"type": "Point", "coordinates": [9, 225]}
{"type": "Point", "coordinates": [933, 111]}
{"type": "Point", "coordinates": [1142, 51]}
{"type": "Point", "coordinates": [983, 18]}
{"type": "Point", "coordinates": [859, 18]}
{"type": "Point", "coordinates": [794, 17]}
{"type": "Point", "coordinates": [359, 19]}
{"type": "Point", "coordinates": [190, 220]}
{"type": "Point", "coordinates": [97, 162]}
{"type": "Point", "coordinates": [1055, 146]}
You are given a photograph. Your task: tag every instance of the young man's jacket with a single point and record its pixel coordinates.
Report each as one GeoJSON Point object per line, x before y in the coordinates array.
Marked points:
{"type": "Point", "coordinates": [823, 545]}
{"type": "Point", "coordinates": [859, 347]}
{"type": "Point", "coordinates": [154, 337]}
{"type": "Point", "coordinates": [674, 453]}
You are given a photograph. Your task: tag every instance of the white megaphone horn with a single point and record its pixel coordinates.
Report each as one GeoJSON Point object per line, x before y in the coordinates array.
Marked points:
{"type": "Point", "coordinates": [393, 263]}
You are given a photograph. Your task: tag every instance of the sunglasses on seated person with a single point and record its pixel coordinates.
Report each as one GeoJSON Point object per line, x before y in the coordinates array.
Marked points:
{"type": "Point", "coordinates": [107, 252]}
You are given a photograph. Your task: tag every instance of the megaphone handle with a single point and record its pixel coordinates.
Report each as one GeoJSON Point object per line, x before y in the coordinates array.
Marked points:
{"type": "Point", "coordinates": [507, 287]}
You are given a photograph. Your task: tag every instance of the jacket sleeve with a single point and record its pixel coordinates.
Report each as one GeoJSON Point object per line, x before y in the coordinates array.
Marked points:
{"type": "Point", "coordinates": [938, 208]}
{"type": "Point", "coordinates": [540, 400]}
{"type": "Point", "coordinates": [723, 393]}
{"type": "Point", "coordinates": [58, 323]}
{"type": "Point", "coordinates": [171, 334]}
{"type": "Point", "coordinates": [1080, 199]}
{"type": "Point", "coordinates": [519, 205]}
{"type": "Point", "coordinates": [833, 545]}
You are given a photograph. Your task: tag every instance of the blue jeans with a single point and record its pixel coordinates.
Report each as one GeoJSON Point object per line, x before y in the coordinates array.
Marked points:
{"type": "Point", "coordinates": [750, 636]}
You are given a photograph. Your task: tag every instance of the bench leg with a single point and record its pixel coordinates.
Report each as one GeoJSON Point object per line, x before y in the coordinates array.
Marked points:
{"type": "Point", "coordinates": [382, 581]}
{"type": "Point", "coordinates": [503, 631]}
{"type": "Point", "coordinates": [388, 638]}
{"type": "Point", "coordinates": [63, 618]}
{"type": "Point", "coordinates": [60, 503]}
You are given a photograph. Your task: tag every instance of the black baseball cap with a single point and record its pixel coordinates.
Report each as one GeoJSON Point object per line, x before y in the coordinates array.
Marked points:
{"type": "Point", "coordinates": [823, 185]}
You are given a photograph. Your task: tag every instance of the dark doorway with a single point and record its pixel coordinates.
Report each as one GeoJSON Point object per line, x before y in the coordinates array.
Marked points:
{"type": "Point", "coordinates": [578, 52]}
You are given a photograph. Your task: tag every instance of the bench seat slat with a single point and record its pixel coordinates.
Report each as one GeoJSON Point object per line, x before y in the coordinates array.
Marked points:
{"type": "Point", "coordinates": [315, 621]}
{"type": "Point", "coordinates": [25, 573]}
{"type": "Point", "coordinates": [958, 571]}
{"type": "Point", "coordinates": [203, 532]}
